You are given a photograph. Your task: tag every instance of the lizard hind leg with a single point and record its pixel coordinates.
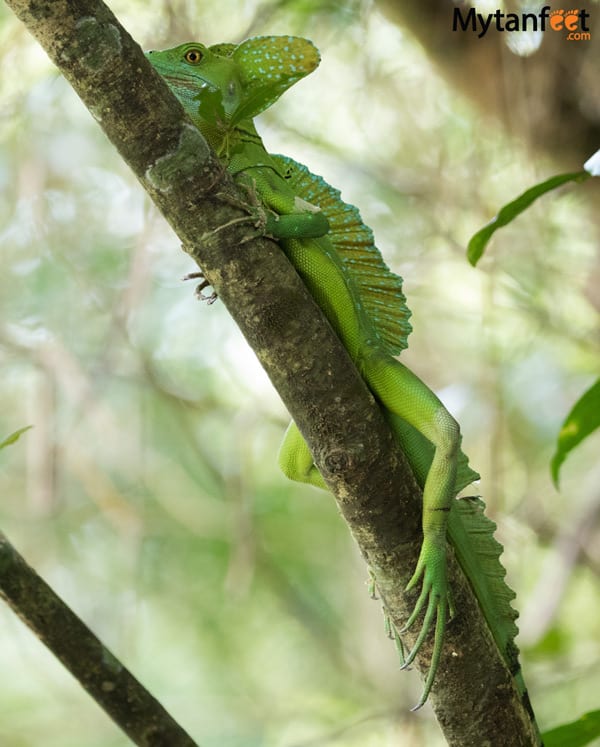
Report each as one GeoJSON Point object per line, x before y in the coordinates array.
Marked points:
{"type": "Point", "coordinates": [401, 392]}
{"type": "Point", "coordinates": [296, 461]}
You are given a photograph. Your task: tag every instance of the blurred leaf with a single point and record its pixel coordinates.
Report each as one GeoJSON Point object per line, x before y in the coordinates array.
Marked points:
{"type": "Point", "coordinates": [14, 437]}
{"type": "Point", "coordinates": [511, 210]}
{"type": "Point", "coordinates": [553, 644]}
{"type": "Point", "coordinates": [580, 422]}
{"type": "Point", "coordinates": [575, 734]}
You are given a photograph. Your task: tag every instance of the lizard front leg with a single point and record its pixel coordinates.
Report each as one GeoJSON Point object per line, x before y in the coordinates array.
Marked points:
{"type": "Point", "coordinates": [287, 216]}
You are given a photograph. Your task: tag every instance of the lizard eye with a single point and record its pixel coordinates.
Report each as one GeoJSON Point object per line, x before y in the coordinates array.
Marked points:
{"type": "Point", "coordinates": [193, 56]}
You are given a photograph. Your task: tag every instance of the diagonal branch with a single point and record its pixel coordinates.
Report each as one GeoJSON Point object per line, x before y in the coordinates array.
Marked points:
{"type": "Point", "coordinates": [109, 683]}
{"type": "Point", "coordinates": [474, 696]}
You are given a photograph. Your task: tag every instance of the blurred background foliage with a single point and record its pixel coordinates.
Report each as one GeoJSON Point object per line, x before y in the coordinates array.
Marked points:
{"type": "Point", "coordinates": [147, 493]}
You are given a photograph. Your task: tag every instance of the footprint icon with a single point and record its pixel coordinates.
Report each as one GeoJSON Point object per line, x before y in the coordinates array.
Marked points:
{"type": "Point", "coordinates": [557, 19]}
{"type": "Point", "coordinates": [572, 20]}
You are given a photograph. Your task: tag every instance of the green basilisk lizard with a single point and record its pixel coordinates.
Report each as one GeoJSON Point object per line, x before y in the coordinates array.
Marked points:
{"type": "Point", "coordinates": [222, 88]}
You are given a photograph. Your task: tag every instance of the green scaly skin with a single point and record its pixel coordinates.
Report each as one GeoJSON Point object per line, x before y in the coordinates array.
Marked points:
{"type": "Point", "coordinates": [222, 89]}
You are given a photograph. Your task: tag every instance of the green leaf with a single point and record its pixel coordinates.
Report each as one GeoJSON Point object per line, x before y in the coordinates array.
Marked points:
{"type": "Point", "coordinates": [14, 436]}
{"type": "Point", "coordinates": [580, 422]}
{"type": "Point", "coordinates": [575, 734]}
{"type": "Point", "coordinates": [512, 209]}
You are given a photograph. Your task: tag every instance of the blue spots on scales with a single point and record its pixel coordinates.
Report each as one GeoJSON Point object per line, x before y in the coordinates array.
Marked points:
{"type": "Point", "coordinates": [295, 56]}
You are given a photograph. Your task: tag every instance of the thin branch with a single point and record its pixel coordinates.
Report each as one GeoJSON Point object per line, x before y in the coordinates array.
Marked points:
{"type": "Point", "coordinates": [110, 684]}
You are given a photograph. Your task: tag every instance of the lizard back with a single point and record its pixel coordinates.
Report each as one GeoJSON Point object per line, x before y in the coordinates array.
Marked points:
{"type": "Point", "coordinates": [380, 290]}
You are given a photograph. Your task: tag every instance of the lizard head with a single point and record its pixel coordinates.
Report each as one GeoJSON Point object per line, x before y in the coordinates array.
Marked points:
{"type": "Point", "coordinates": [222, 85]}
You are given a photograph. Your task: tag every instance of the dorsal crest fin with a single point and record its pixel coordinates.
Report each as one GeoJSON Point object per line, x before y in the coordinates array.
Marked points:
{"type": "Point", "coordinates": [380, 290]}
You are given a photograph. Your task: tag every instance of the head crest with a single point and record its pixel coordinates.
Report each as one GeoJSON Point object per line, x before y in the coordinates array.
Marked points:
{"type": "Point", "coordinates": [268, 66]}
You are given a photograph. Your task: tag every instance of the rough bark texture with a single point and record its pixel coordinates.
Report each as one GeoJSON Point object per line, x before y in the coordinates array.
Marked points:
{"type": "Point", "coordinates": [474, 696]}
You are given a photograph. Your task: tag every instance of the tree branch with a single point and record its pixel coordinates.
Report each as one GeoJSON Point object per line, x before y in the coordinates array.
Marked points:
{"type": "Point", "coordinates": [474, 696]}
{"type": "Point", "coordinates": [109, 683]}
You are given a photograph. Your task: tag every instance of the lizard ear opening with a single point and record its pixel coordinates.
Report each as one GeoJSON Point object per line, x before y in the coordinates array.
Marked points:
{"type": "Point", "coordinates": [268, 66]}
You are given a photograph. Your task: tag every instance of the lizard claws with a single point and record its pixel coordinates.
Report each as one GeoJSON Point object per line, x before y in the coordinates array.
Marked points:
{"type": "Point", "coordinates": [436, 595]}
{"type": "Point", "coordinates": [201, 286]}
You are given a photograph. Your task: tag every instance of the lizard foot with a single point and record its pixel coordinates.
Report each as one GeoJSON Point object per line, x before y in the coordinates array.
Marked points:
{"type": "Point", "coordinates": [201, 286]}
{"type": "Point", "coordinates": [390, 629]}
{"type": "Point", "coordinates": [392, 633]}
{"type": "Point", "coordinates": [436, 599]}
{"type": "Point", "coordinates": [256, 214]}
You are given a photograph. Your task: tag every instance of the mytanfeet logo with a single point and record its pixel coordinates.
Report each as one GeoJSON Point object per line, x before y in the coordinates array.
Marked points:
{"type": "Point", "coordinates": [572, 23]}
